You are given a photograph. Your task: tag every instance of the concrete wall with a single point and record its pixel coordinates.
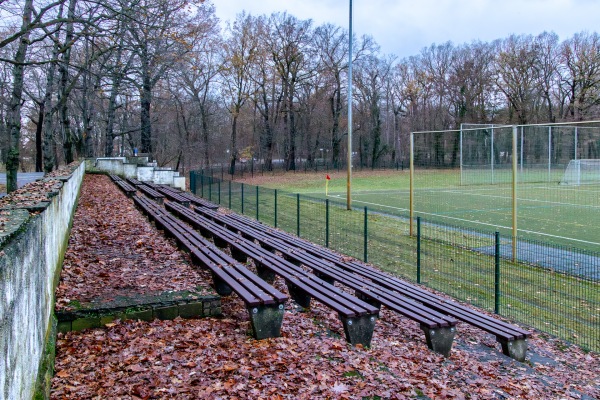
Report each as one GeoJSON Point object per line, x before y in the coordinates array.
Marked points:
{"type": "Point", "coordinates": [30, 265]}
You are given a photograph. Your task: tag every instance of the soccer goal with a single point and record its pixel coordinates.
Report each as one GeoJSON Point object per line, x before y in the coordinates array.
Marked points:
{"type": "Point", "coordinates": [582, 172]}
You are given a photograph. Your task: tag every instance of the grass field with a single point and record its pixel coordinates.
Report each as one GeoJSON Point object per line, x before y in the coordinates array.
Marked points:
{"type": "Point", "coordinates": [547, 212]}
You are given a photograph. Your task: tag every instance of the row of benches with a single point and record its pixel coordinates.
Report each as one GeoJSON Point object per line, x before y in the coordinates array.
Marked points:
{"type": "Point", "coordinates": [358, 317]}
{"type": "Point", "coordinates": [377, 286]}
{"type": "Point", "coordinates": [264, 303]}
{"type": "Point", "coordinates": [436, 316]}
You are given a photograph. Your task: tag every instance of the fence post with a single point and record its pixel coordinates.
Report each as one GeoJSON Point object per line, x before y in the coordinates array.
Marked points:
{"type": "Point", "coordinates": [497, 273]}
{"type": "Point", "coordinates": [202, 185]}
{"type": "Point", "coordinates": [418, 249]}
{"type": "Point", "coordinates": [219, 188]}
{"type": "Point", "coordinates": [275, 223]}
{"type": "Point", "coordinates": [298, 214]}
{"type": "Point", "coordinates": [210, 182]}
{"type": "Point", "coordinates": [257, 203]}
{"type": "Point", "coordinates": [229, 194]}
{"type": "Point", "coordinates": [193, 182]}
{"type": "Point", "coordinates": [242, 199]}
{"type": "Point", "coordinates": [327, 223]}
{"type": "Point", "coordinates": [366, 237]}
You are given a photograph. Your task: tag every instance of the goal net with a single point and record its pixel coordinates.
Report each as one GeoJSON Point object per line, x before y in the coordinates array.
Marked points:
{"type": "Point", "coordinates": [582, 172]}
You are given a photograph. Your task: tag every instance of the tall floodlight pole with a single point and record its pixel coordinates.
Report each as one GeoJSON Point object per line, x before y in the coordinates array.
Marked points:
{"type": "Point", "coordinates": [349, 174]}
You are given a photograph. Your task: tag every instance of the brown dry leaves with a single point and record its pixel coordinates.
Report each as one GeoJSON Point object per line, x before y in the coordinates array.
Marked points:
{"type": "Point", "coordinates": [113, 250]}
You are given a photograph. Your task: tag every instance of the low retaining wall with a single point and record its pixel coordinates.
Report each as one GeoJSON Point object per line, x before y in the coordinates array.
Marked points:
{"type": "Point", "coordinates": [30, 262]}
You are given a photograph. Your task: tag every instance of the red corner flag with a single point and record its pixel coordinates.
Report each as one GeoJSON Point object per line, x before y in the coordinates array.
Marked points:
{"type": "Point", "coordinates": [328, 177]}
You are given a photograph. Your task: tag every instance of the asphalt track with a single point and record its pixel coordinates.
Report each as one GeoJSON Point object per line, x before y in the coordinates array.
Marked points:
{"type": "Point", "coordinates": [22, 179]}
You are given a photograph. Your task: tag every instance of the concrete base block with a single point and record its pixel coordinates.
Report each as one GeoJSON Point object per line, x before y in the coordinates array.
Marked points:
{"type": "Point", "coordinates": [190, 310]}
{"type": "Point", "coordinates": [266, 320]}
{"type": "Point", "coordinates": [222, 288]}
{"type": "Point", "coordinates": [179, 182]}
{"type": "Point", "coordinates": [516, 349]}
{"type": "Point", "coordinates": [359, 330]}
{"type": "Point", "coordinates": [166, 313]}
{"type": "Point", "coordinates": [299, 295]}
{"type": "Point", "coordinates": [85, 323]}
{"type": "Point", "coordinates": [325, 278]}
{"type": "Point", "coordinates": [145, 315]}
{"type": "Point", "coordinates": [440, 339]}
{"type": "Point", "coordinates": [367, 299]}
{"type": "Point", "coordinates": [130, 171]}
{"type": "Point", "coordinates": [265, 274]}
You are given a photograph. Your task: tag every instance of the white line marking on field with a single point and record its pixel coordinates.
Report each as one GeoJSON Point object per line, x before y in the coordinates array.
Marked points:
{"type": "Point", "coordinates": [481, 223]}
{"type": "Point", "coordinates": [518, 198]}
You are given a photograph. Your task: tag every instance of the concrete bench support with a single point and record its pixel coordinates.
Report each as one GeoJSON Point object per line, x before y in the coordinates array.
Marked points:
{"type": "Point", "coordinates": [516, 349]}
{"type": "Point", "coordinates": [359, 330]}
{"type": "Point", "coordinates": [266, 320]}
{"type": "Point", "coordinates": [298, 295]}
{"type": "Point", "coordinates": [440, 339]}
{"type": "Point", "coordinates": [265, 274]}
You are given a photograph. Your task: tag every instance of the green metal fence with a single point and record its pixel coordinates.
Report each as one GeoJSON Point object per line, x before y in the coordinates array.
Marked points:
{"type": "Point", "coordinates": [552, 288]}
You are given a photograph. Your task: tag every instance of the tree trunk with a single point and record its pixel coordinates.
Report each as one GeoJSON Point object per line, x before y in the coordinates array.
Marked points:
{"type": "Point", "coordinates": [146, 99]}
{"type": "Point", "coordinates": [39, 153]}
{"type": "Point", "coordinates": [14, 111]}
{"type": "Point", "coordinates": [63, 90]}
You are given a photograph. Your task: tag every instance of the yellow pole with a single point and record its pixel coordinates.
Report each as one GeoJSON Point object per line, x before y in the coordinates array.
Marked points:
{"type": "Point", "coordinates": [349, 167]}
{"type": "Point", "coordinates": [412, 179]}
{"type": "Point", "coordinates": [514, 194]}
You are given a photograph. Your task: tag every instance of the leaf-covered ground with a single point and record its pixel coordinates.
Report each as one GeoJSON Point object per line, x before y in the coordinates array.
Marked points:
{"type": "Point", "coordinates": [217, 359]}
{"type": "Point", "coordinates": [115, 251]}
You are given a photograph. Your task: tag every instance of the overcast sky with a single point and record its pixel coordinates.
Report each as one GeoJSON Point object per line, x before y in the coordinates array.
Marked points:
{"type": "Point", "coordinates": [404, 27]}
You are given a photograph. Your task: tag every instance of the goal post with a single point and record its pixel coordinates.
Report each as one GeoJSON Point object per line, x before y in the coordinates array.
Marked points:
{"type": "Point", "coordinates": [582, 172]}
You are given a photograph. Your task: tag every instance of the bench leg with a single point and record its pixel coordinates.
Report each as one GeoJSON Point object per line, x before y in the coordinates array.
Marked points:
{"type": "Point", "coordinates": [367, 299]}
{"type": "Point", "coordinates": [265, 274]}
{"type": "Point", "coordinates": [325, 278]}
{"type": "Point", "coordinates": [440, 339]}
{"type": "Point", "coordinates": [238, 255]}
{"type": "Point", "coordinates": [266, 320]}
{"type": "Point", "coordinates": [516, 349]}
{"type": "Point", "coordinates": [299, 296]}
{"type": "Point", "coordinates": [221, 287]}
{"type": "Point", "coordinates": [359, 330]}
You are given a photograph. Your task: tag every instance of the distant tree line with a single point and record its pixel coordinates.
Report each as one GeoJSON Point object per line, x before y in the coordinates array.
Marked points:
{"type": "Point", "coordinates": [88, 78]}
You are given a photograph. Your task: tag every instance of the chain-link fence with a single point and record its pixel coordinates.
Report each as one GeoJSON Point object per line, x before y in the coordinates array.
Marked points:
{"type": "Point", "coordinates": [536, 182]}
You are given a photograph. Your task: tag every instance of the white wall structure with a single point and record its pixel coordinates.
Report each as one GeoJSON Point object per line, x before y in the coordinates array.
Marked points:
{"type": "Point", "coordinates": [141, 169]}
{"type": "Point", "coordinates": [30, 265]}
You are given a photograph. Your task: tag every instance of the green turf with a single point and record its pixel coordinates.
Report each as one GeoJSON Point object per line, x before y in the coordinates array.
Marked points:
{"type": "Point", "coordinates": [547, 212]}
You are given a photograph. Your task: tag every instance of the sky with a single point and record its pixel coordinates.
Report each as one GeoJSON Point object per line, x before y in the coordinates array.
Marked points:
{"type": "Point", "coordinates": [404, 27]}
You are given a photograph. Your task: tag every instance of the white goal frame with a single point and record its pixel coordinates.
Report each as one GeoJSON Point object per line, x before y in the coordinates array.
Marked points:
{"type": "Point", "coordinates": [582, 172]}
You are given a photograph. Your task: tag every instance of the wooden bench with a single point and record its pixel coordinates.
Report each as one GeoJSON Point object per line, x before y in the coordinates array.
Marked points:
{"type": "Point", "coordinates": [134, 182]}
{"type": "Point", "coordinates": [513, 339]}
{"type": "Point", "coordinates": [153, 194]}
{"type": "Point", "coordinates": [264, 303]}
{"type": "Point", "coordinates": [124, 186]}
{"type": "Point", "coordinates": [195, 200]}
{"type": "Point", "coordinates": [358, 317]}
{"type": "Point", "coordinates": [173, 195]}
{"type": "Point", "coordinates": [439, 329]}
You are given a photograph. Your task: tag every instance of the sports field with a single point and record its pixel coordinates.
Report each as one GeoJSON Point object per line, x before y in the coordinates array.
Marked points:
{"type": "Point", "coordinates": [548, 212]}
